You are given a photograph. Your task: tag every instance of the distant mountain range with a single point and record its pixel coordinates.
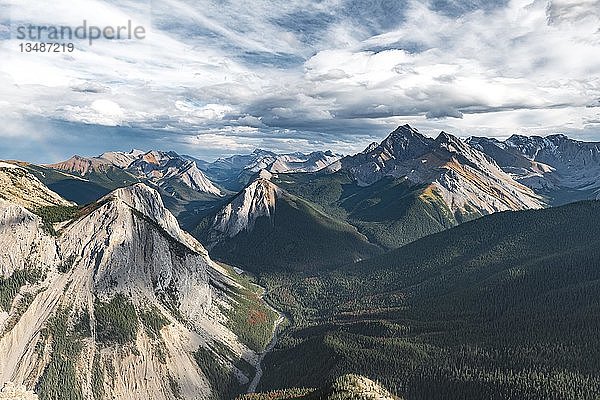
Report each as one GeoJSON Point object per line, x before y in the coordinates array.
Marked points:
{"type": "Point", "coordinates": [466, 180]}
{"type": "Point", "coordinates": [406, 187]}
{"type": "Point", "coordinates": [473, 177]}
{"type": "Point", "coordinates": [560, 168]}
{"type": "Point", "coordinates": [236, 171]}
{"type": "Point", "coordinates": [163, 169]}
{"type": "Point", "coordinates": [438, 267]}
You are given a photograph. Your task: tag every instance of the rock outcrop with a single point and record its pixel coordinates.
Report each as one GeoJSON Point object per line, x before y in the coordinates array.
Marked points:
{"type": "Point", "coordinates": [121, 301]}
{"type": "Point", "coordinates": [21, 187]}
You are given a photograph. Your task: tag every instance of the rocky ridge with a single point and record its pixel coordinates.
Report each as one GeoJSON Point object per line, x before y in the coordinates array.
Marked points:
{"type": "Point", "coordinates": [548, 164]}
{"type": "Point", "coordinates": [21, 187]}
{"type": "Point", "coordinates": [125, 251]}
{"type": "Point", "coordinates": [468, 181]}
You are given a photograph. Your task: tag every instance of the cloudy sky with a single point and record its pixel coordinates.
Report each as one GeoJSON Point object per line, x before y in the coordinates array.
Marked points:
{"type": "Point", "coordinates": [219, 77]}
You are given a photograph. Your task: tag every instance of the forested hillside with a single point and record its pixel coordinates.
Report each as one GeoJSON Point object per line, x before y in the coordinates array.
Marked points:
{"type": "Point", "coordinates": [346, 387]}
{"type": "Point", "coordinates": [504, 307]}
{"type": "Point", "coordinates": [390, 212]}
{"type": "Point", "coordinates": [297, 236]}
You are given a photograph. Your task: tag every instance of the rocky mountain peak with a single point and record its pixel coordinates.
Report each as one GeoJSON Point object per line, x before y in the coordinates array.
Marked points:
{"type": "Point", "coordinates": [516, 138]}
{"type": "Point", "coordinates": [139, 197]}
{"type": "Point", "coordinates": [402, 145]}
{"type": "Point", "coordinates": [256, 200]}
{"type": "Point", "coordinates": [82, 165]}
{"type": "Point", "coordinates": [264, 174]}
{"type": "Point", "coordinates": [148, 203]}
{"type": "Point", "coordinates": [125, 253]}
{"type": "Point", "coordinates": [466, 178]}
{"type": "Point", "coordinates": [406, 142]}
{"type": "Point", "coordinates": [451, 143]}
{"type": "Point", "coordinates": [188, 173]}
{"type": "Point", "coordinates": [122, 159]}
{"type": "Point", "coordinates": [520, 141]}
{"type": "Point", "coordinates": [262, 152]}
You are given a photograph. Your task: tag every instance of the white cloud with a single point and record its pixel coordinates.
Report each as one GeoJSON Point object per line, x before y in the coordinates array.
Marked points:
{"type": "Point", "coordinates": [250, 120]}
{"type": "Point", "coordinates": [208, 68]}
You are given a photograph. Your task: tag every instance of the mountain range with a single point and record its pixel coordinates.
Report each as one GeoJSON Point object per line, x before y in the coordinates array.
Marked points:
{"type": "Point", "coordinates": [118, 302]}
{"type": "Point", "coordinates": [407, 187]}
{"type": "Point", "coordinates": [562, 169]}
{"type": "Point", "coordinates": [433, 268]}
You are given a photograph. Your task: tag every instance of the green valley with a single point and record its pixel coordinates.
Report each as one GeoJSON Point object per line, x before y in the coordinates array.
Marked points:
{"type": "Point", "coordinates": [503, 307]}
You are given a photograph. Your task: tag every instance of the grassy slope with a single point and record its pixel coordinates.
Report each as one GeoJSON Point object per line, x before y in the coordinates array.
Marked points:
{"type": "Point", "coordinates": [504, 307]}
{"type": "Point", "coordinates": [249, 317]}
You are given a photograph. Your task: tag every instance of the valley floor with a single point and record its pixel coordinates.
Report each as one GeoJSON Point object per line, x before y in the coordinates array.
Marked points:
{"type": "Point", "coordinates": [259, 371]}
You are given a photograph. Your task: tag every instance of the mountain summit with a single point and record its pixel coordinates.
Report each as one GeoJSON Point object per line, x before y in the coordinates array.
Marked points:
{"type": "Point", "coordinates": [121, 303]}
{"type": "Point", "coordinates": [467, 180]}
{"type": "Point", "coordinates": [404, 143]}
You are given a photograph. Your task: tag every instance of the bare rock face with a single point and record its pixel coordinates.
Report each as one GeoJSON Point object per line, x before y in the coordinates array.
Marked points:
{"type": "Point", "coordinates": [82, 165]}
{"type": "Point", "coordinates": [131, 242]}
{"type": "Point", "coordinates": [256, 200]}
{"type": "Point", "coordinates": [10, 391]}
{"type": "Point", "coordinates": [187, 173]}
{"type": "Point", "coordinates": [466, 180]}
{"type": "Point", "coordinates": [471, 180]}
{"type": "Point", "coordinates": [376, 161]}
{"type": "Point", "coordinates": [167, 168]}
{"type": "Point", "coordinates": [161, 168]}
{"type": "Point", "coordinates": [24, 242]}
{"type": "Point", "coordinates": [551, 164]}
{"type": "Point", "coordinates": [291, 163]}
{"type": "Point", "coordinates": [20, 187]}
{"type": "Point", "coordinates": [122, 159]}
{"type": "Point", "coordinates": [276, 163]}
{"type": "Point", "coordinates": [123, 301]}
